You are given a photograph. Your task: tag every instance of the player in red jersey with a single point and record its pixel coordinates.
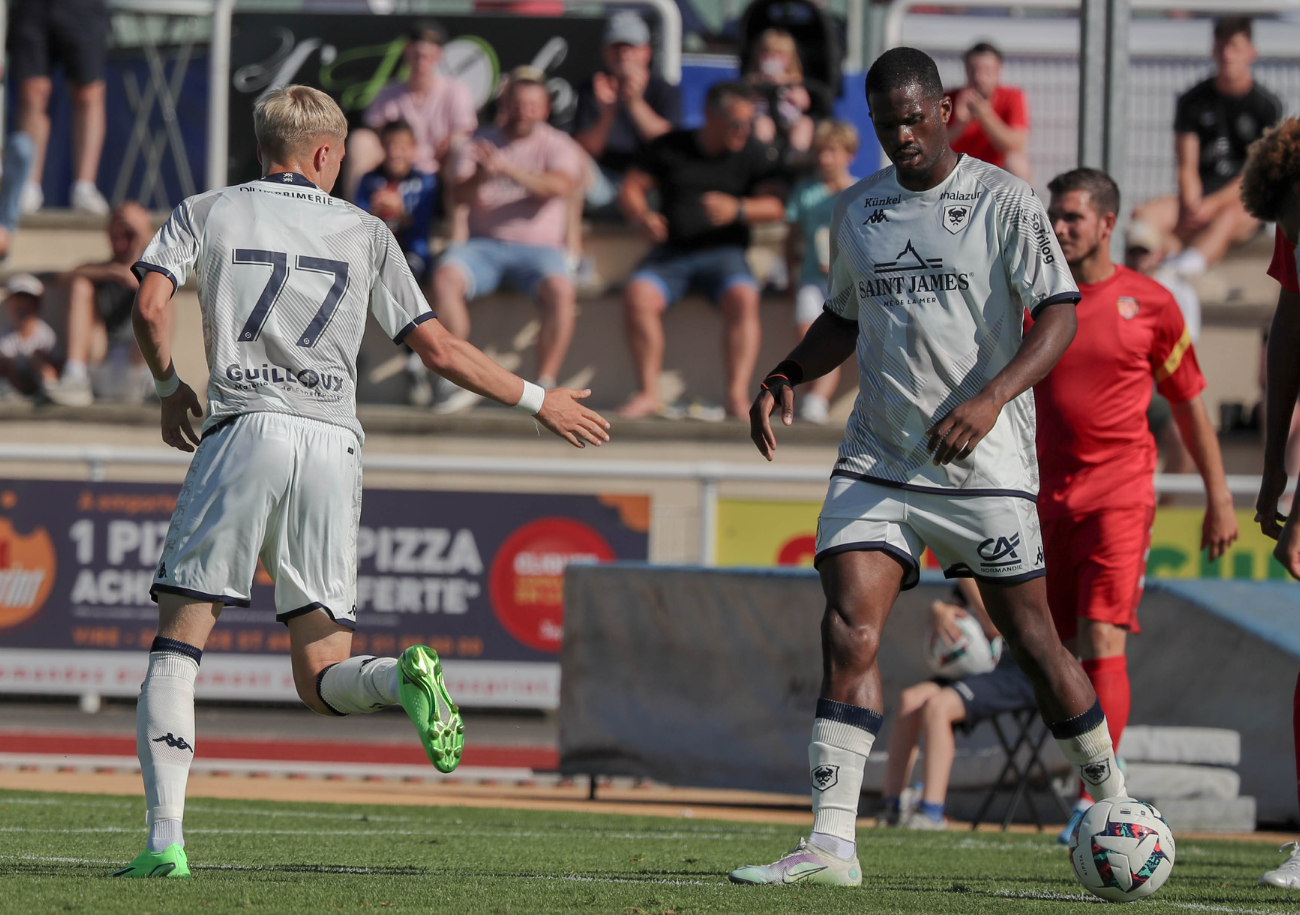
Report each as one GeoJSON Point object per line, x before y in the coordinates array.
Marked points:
{"type": "Point", "coordinates": [1096, 455]}
{"type": "Point", "coordinates": [1270, 188]}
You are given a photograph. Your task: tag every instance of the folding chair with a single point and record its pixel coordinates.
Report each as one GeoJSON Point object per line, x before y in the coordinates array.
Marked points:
{"type": "Point", "coordinates": [1031, 732]}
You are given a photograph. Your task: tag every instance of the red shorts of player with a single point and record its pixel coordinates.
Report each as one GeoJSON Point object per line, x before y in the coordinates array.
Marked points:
{"type": "Point", "coordinates": [1096, 564]}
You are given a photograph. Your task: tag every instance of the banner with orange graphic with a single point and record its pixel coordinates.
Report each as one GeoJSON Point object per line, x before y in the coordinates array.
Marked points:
{"type": "Point", "coordinates": [479, 576]}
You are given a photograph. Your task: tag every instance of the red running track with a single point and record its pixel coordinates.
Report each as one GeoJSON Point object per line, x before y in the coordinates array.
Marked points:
{"type": "Point", "coordinates": [542, 759]}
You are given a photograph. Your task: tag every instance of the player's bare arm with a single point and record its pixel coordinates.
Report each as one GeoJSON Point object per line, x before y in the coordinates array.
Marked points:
{"type": "Point", "coordinates": [470, 368]}
{"type": "Point", "coordinates": [955, 436]}
{"type": "Point", "coordinates": [153, 319]}
{"type": "Point", "coordinates": [1219, 529]}
{"type": "Point", "coordinates": [829, 341]}
{"type": "Point", "coordinates": [1282, 388]}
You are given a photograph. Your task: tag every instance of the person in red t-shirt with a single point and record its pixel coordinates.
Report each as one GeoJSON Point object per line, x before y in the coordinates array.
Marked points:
{"type": "Point", "coordinates": [990, 121]}
{"type": "Point", "coordinates": [1270, 189]}
{"type": "Point", "coordinates": [1096, 454]}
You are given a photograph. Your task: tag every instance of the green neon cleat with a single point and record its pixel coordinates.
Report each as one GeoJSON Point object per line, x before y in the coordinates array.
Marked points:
{"type": "Point", "coordinates": [170, 862]}
{"type": "Point", "coordinates": [806, 863]}
{"type": "Point", "coordinates": [428, 704]}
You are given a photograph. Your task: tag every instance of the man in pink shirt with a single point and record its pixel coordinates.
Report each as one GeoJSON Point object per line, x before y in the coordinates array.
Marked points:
{"type": "Point", "coordinates": [439, 109]}
{"type": "Point", "coordinates": [513, 181]}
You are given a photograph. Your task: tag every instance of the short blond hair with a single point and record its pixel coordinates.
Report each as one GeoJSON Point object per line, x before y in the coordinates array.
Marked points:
{"type": "Point", "coordinates": [287, 119]}
{"type": "Point", "coordinates": [781, 42]}
{"type": "Point", "coordinates": [836, 133]}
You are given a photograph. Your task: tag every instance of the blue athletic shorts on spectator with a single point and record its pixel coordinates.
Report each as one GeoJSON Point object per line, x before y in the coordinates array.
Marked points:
{"type": "Point", "coordinates": [711, 272]}
{"type": "Point", "coordinates": [1003, 689]}
{"type": "Point", "coordinates": [487, 263]}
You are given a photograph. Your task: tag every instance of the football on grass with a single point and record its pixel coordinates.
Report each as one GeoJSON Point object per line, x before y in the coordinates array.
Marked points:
{"type": "Point", "coordinates": [970, 654]}
{"type": "Point", "coordinates": [1123, 850]}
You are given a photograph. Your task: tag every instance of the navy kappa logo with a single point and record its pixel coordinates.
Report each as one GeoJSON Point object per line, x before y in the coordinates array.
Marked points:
{"type": "Point", "coordinates": [176, 743]}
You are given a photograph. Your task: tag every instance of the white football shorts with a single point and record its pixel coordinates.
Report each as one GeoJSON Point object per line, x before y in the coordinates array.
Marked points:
{"type": "Point", "coordinates": [809, 302]}
{"type": "Point", "coordinates": [281, 488]}
{"type": "Point", "coordinates": [989, 537]}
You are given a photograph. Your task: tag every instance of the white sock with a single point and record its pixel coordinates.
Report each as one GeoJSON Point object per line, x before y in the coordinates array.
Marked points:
{"type": "Point", "coordinates": [1189, 262]}
{"type": "Point", "coordinates": [164, 736]}
{"type": "Point", "coordinates": [1085, 741]}
{"type": "Point", "coordinates": [359, 686]}
{"type": "Point", "coordinates": [842, 736]}
{"type": "Point", "coordinates": [834, 844]}
{"type": "Point", "coordinates": [74, 370]}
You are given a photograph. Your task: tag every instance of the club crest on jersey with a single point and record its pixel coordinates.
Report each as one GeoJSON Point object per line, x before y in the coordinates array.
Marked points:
{"type": "Point", "coordinates": [956, 216]}
{"type": "Point", "coordinates": [824, 777]}
{"type": "Point", "coordinates": [287, 178]}
{"type": "Point", "coordinates": [1128, 307]}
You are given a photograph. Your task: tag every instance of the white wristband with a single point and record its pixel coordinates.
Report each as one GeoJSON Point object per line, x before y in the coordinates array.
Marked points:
{"type": "Point", "coordinates": [531, 400]}
{"type": "Point", "coordinates": [168, 387]}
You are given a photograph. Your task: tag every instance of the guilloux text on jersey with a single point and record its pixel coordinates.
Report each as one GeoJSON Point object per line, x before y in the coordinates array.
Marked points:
{"type": "Point", "coordinates": [278, 374]}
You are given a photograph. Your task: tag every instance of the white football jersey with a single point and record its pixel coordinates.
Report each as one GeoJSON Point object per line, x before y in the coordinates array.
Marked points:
{"type": "Point", "coordinates": [938, 282]}
{"type": "Point", "coordinates": [285, 275]}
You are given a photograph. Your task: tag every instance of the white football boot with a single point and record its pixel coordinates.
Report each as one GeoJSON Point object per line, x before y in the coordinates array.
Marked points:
{"type": "Point", "coordinates": [1288, 875]}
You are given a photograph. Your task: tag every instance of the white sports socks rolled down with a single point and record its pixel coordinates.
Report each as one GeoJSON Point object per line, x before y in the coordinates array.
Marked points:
{"type": "Point", "coordinates": [359, 686]}
{"type": "Point", "coordinates": [164, 736]}
{"type": "Point", "coordinates": [1085, 741]}
{"type": "Point", "coordinates": [842, 736]}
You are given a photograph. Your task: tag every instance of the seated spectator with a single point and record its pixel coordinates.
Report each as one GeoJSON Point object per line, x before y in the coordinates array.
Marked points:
{"type": "Point", "coordinates": [438, 108]}
{"type": "Point", "coordinates": [402, 196]}
{"type": "Point", "coordinates": [990, 121]}
{"type": "Point", "coordinates": [514, 180]}
{"type": "Point", "coordinates": [714, 183]}
{"type": "Point", "coordinates": [808, 245]}
{"type": "Point", "coordinates": [622, 108]}
{"type": "Point", "coordinates": [934, 708]}
{"type": "Point", "coordinates": [1214, 123]}
{"type": "Point", "coordinates": [72, 34]}
{"type": "Point", "coordinates": [28, 352]}
{"type": "Point", "coordinates": [786, 105]}
{"type": "Point", "coordinates": [100, 298]}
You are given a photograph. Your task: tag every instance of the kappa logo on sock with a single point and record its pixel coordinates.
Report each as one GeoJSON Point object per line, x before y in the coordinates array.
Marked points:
{"type": "Point", "coordinates": [176, 743]}
{"type": "Point", "coordinates": [1096, 772]}
{"type": "Point", "coordinates": [824, 777]}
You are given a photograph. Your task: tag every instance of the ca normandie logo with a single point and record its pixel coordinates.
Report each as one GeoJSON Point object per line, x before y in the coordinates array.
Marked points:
{"type": "Point", "coordinates": [27, 567]}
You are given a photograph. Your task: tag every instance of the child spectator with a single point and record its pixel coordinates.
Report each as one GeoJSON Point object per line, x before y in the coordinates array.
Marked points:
{"type": "Point", "coordinates": [808, 244]}
{"type": "Point", "coordinates": [28, 350]}
{"type": "Point", "coordinates": [402, 196]}
{"type": "Point", "coordinates": [786, 104]}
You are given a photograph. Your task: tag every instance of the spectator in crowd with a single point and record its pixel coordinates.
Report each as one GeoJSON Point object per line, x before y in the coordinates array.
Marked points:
{"type": "Point", "coordinates": [514, 181]}
{"type": "Point", "coordinates": [714, 183]}
{"type": "Point", "coordinates": [808, 245]}
{"type": "Point", "coordinates": [438, 108]}
{"type": "Point", "coordinates": [786, 104]}
{"type": "Point", "coordinates": [28, 352]}
{"type": "Point", "coordinates": [935, 707]}
{"type": "Point", "coordinates": [19, 154]}
{"type": "Point", "coordinates": [100, 298]}
{"type": "Point", "coordinates": [402, 196]}
{"type": "Point", "coordinates": [622, 108]}
{"type": "Point", "coordinates": [990, 121]}
{"type": "Point", "coordinates": [1214, 123]}
{"type": "Point", "coordinates": [73, 34]}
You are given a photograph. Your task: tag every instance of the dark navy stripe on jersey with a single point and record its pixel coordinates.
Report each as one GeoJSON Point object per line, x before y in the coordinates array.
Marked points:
{"type": "Point", "coordinates": [934, 490]}
{"type": "Point", "coordinates": [1073, 298]}
{"type": "Point", "coordinates": [140, 268]}
{"type": "Point", "coordinates": [401, 335]}
{"type": "Point", "coordinates": [289, 178]}
{"type": "Point", "coordinates": [853, 715]}
{"type": "Point", "coordinates": [1079, 724]}
{"type": "Point", "coordinates": [175, 646]}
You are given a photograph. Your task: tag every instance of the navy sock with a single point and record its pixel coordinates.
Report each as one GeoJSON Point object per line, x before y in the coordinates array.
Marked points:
{"type": "Point", "coordinates": [933, 811]}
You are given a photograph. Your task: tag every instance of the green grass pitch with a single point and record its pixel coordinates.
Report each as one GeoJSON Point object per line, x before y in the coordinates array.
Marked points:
{"type": "Point", "coordinates": [55, 851]}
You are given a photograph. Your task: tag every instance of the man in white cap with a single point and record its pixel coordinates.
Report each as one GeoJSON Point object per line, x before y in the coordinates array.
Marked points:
{"type": "Point", "coordinates": [27, 351]}
{"type": "Point", "coordinates": [623, 107]}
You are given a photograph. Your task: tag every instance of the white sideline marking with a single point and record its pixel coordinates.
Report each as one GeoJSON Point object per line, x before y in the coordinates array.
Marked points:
{"type": "Point", "coordinates": [462, 833]}
{"type": "Point", "coordinates": [80, 763]}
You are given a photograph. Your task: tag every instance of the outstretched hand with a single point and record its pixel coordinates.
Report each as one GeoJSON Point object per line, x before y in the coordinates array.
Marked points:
{"type": "Point", "coordinates": [177, 430]}
{"type": "Point", "coordinates": [955, 436]}
{"type": "Point", "coordinates": [570, 420]}
{"type": "Point", "coordinates": [760, 426]}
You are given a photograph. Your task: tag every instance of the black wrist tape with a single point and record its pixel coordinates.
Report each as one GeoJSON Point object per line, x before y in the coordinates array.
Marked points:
{"type": "Point", "coordinates": [790, 370]}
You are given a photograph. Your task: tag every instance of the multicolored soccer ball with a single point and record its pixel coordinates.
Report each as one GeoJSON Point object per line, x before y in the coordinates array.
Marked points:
{"type": "Point", "coordinates": [1123, 850]}
{"type": "Point", "coordinates": [971, 654]}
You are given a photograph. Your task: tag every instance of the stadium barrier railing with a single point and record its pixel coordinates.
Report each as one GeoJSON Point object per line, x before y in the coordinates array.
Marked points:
{"type": "Point", "coordinates": [708, 475]}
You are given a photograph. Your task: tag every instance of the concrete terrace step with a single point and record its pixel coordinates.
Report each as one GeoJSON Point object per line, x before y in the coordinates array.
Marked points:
{"type": "Point", "coordinates": [1143, 743]}
{"type": "Point", "coordinates": [1178, 781]}
{"type": "Point", "coordinates": [1207, 814]}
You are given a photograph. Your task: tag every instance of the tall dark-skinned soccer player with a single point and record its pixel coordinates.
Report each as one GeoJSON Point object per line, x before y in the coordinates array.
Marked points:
{"type": "Point", "coordinates": [934, 261]}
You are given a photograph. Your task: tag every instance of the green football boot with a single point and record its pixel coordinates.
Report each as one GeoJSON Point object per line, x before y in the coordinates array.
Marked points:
{"type": "Point", "coordinates": [428, 704]}
{"type": "Point", "coordinates": [170, 862]}
{"type": "Point", "coordinates": [807, 863]}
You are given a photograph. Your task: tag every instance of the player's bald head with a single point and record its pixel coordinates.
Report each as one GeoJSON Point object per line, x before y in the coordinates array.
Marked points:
{"type": "Point", "coordinates": [291, 121]}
